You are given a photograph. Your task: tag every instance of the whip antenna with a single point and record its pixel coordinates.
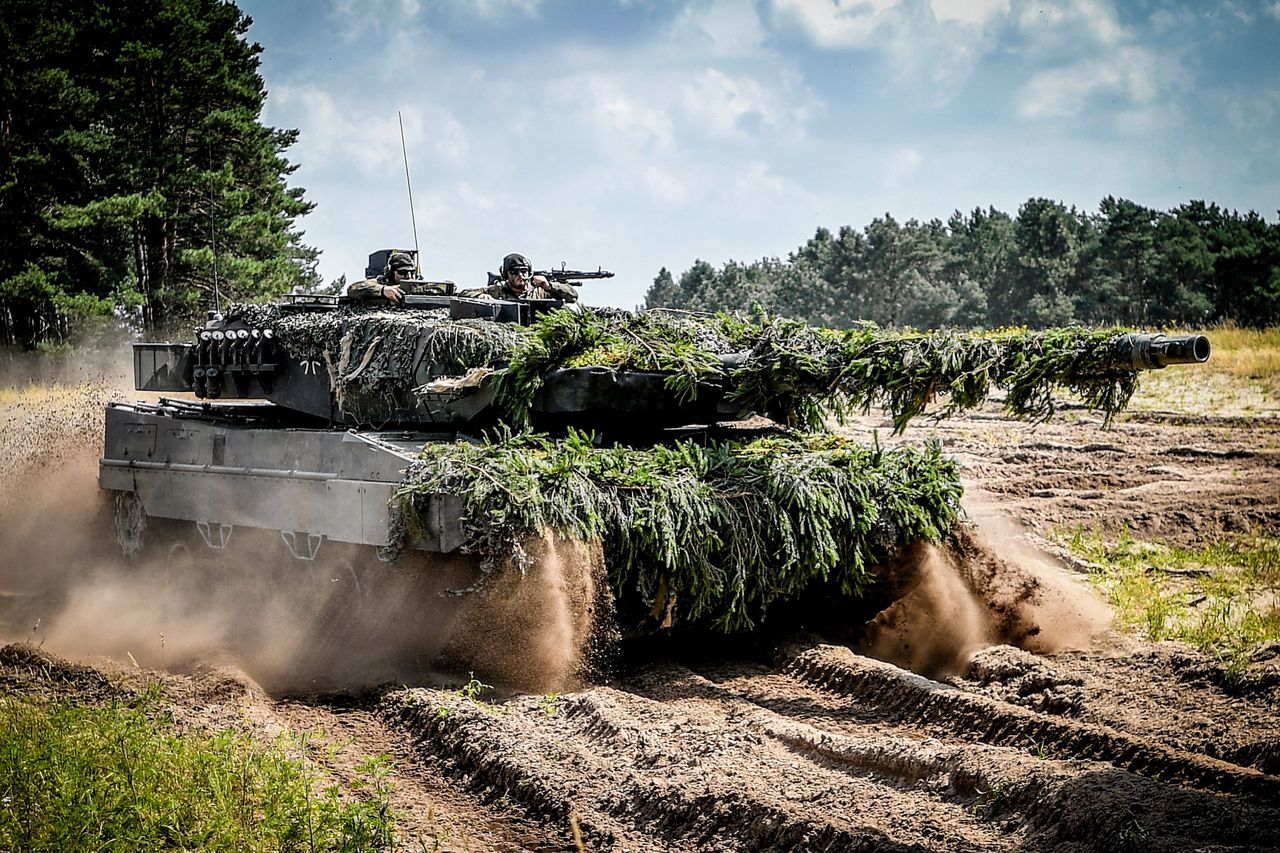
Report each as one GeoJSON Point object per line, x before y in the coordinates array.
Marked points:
{"type": "Point", "coordinates": [417, 254]}
{"type": "Point", "coordinates": [213, 238]}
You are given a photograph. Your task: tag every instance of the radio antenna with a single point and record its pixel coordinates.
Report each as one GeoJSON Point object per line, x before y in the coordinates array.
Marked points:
{"type": "Point", "coordinates": [213, 238]}
{"type": "Point", "coordinates": [417, 254]}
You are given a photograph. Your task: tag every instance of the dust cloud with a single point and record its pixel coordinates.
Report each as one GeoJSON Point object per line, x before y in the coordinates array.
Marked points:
{"type": "Point", "coordinates": [101, 354]}
{"type": "Point", "coordinates": [985, 586]}
{"type": "Point", "coordinates": [342, 622]}
{"type": "Point", "coordinates": [535, 629]}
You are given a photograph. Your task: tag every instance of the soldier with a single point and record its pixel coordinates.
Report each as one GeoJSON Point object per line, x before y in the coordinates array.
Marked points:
{"type": "Point", "coordinates": [389, 285]}
{"type": "Point", "coordinates": [519, 282]}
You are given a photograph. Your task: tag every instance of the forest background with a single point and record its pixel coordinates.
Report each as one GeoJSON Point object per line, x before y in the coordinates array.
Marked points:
{"type": "Point", "coordinates": [137, 179]}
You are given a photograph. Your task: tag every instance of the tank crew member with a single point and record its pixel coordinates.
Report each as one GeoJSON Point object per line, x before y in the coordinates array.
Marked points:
{"type": "Point", "coordinates": [519, 282]}
{"type": "Point", "coordinates": [390, 285]}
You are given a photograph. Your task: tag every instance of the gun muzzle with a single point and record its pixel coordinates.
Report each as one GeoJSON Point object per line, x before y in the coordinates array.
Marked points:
{"type": "Point", "coordinates": [1146, 351]}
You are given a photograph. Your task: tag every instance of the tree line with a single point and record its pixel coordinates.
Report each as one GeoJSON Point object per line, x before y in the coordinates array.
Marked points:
{"type": "Point", "coordinates": [1049, 265]}
{"type": "Point", "coordinates": [135, 174]}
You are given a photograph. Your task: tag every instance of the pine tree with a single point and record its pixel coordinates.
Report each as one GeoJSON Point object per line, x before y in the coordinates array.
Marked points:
{"type": "Point", "coordinates": [131, 145]}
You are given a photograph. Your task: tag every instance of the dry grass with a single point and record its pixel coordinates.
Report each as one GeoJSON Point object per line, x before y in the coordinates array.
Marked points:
{"type": "Point", "coordinates": [1241, 378]}
{"type": "Point", "coordinates": [31, 392]}
{"type": "Point", "coordinates": [1247, 353]}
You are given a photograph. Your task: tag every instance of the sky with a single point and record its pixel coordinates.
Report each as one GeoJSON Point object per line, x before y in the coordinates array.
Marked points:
{"type": "Point", "coordinates": [639, 134]}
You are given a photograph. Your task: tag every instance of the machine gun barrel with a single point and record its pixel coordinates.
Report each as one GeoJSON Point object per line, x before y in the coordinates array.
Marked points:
{"type": "Point", "coordinates": [1150, 351]}
{"type": "Point", "coordinates": [565, 276]}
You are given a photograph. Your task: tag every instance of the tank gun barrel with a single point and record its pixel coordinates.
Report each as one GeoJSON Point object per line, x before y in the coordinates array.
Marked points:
{"type": "Point", "coordinates": [1151, 351]}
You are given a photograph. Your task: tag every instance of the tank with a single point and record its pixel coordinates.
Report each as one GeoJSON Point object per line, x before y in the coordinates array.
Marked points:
{"type": "Point", "coordinates": [317, 419]}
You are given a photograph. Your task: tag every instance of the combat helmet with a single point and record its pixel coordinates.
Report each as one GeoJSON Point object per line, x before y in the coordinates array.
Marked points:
{"type": "Point", "coordinates": [401, 262]}
{"type": "Point", "coordinates": [515, 261]}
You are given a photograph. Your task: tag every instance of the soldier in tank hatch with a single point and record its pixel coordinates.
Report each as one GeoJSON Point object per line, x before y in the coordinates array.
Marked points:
{"type": "Point", "coordinates": [517, 281]}
{"type": "Point", "coordinates": [390, 285]}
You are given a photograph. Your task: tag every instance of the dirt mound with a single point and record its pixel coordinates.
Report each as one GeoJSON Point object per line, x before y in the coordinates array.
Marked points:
{"type": "Point", "coordinates": [29, 670]}
{"type": "Point", "coordinates": [831, 750]}
{"type": "Point", "coordinates": [1183, 484]}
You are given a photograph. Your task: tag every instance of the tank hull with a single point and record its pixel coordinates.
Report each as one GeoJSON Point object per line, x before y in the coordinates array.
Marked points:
{"type": "Point", "coordinates": [223, 468]}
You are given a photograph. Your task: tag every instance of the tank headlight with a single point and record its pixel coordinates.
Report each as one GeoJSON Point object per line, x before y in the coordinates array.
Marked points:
{"type": "Point", "coordinates": [255, 334]}
{"type": "Point", "coordinates": [217, 336]}
{"type": "Point", "coordinates": [243, 334]}
{"type": "Point", "coordinates": [206, 336]}
{"type": "Point", "coordinates": [268, 334]}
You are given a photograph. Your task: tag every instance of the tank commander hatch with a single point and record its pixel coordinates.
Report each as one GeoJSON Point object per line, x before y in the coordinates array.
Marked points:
{"type": "Point", "coordinates": [390, 285]}
{"type": "Point", "coordinates": [517, 281]}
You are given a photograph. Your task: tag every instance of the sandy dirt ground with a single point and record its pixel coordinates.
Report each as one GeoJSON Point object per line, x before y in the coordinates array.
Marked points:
{"type": "Point", "coordinates": [990, 708]}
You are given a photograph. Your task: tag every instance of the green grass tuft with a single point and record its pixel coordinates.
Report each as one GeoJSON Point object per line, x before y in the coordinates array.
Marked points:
{"type": "Point", "coordinates": [1220, 597]}
{"type": "Point", "coordinates": [120, 778]}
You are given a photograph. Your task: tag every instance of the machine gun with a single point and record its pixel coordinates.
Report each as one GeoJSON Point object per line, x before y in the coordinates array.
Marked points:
{"type": "Point", "coordinates": [565, 276]}
{"type": "Point", "coordinates": [562, 275]}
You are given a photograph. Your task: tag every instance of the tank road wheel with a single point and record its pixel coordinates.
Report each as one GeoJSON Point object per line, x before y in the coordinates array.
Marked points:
{"type": "Point", "coordinates": [131, 522]}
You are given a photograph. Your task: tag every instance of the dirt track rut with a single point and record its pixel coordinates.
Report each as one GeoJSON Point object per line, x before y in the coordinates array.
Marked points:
{"type": "Point", "coordinates": [827, 750]}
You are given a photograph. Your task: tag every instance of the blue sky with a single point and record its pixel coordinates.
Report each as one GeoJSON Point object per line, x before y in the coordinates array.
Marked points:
{"type": "Point", "coordinates": [637, 134]}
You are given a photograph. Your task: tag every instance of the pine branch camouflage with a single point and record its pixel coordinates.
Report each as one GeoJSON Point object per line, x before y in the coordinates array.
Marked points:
{"type": "Point", "coordinates": [722, 530]}
{"type": "Point", "coordinates": [728, 528]}
{"type": "Point", "coordinates": [795, 373]}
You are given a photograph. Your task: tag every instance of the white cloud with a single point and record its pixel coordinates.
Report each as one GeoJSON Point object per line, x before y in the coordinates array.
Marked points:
{"type": "Point", "coordinates": [720, 103]}
{"type": "Point", "coordinates": [929, 48]}
{"type": "Point", "coordinates": [665, 187]}
{"type": "Point", "coordinates": [357, 19]}
{"type": "Point", "coordinates": [633, 113]}
{"type": "Point", "coordinates": [492, 10]}
{"type": "Point", "coordinates": [756, 188]}
{"type": "Point", "coordinates": [727, 27]}
{"type": "Point", "coordinates": [656, 135]}
{"type": "Point", "coordinates": [471, 198]}
{"type": "Point", "coordinates": [1054, 27]}
{"type": "Point", "coordinates": [373, 147]}
{"type": "Point", "coordinates": [970, 12]}
{"type": "Point", "coordinates": [1168, 21]}
{"type": "Point", "coordinates": [1274, 11]}
{"type": "Point", "coordinates": [902, 164]}
{"type": "Point", "coordinates": [835, 24]}
{"type": "Point", "coordinates": [1244, 16]}
{"type": "Point", "coordinates": [1251, 111]}
{"type": "Point", "coordinates": [1131, 77]}
{"type": "Point", "coordinates": [624, 117]}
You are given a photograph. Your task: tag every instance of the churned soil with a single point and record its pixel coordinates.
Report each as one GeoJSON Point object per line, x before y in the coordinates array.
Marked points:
{"type": "Point", "coordinates": [991, 707]}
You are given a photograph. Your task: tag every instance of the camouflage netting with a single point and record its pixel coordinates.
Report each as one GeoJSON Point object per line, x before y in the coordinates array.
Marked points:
{"type": "Point", "coordinates": [795, 373]}
{"type": "Point", "coordinates": [727, 529]}
{"type": "Point", "coordinates": [369, 351]}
